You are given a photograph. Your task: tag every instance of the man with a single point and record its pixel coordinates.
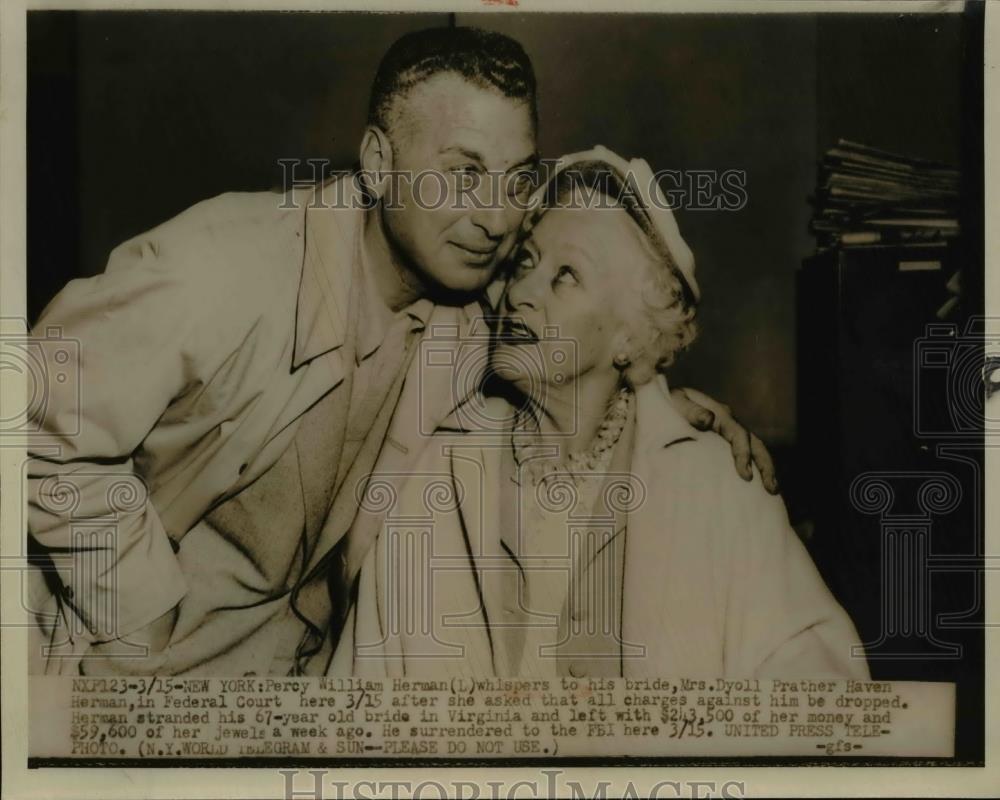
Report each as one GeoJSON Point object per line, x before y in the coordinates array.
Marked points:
{"type": "Point", "coordinates": [242, 367]}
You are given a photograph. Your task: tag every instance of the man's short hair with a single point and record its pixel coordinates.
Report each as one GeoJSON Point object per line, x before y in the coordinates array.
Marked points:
{"type": "Point", "coordinates": [484, 58]}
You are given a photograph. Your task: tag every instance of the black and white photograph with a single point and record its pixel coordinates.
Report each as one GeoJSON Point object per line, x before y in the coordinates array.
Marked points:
{"type": "Point", "coordinates": [497, 387]}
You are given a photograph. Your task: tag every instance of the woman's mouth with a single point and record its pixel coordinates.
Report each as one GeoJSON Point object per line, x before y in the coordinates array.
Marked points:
{"type": "Point", "coordinates": [514, 331]}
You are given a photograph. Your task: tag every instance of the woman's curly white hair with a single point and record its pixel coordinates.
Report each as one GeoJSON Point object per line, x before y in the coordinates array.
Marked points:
{"type": "Point", "coordinates": [661, 314]}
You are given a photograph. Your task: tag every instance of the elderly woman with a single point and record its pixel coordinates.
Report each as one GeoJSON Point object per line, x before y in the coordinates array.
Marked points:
{"type": "Point", "coordinates": [569, 521]}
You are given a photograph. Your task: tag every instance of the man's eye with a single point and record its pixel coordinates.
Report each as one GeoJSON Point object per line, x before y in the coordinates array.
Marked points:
{"type": "Point", "coordinates": [566, 275]}
{"type": "Point", "coordinates": [469, 174]}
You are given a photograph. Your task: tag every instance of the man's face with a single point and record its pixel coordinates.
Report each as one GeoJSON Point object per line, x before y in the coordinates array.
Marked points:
{"type": "Point", "coordinates": [451, 221]}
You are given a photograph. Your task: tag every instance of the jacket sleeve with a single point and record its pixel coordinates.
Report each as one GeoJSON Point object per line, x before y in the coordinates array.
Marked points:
{"type": "Point", "coordinates": [781, 619]}
{"type": "Point", "coordinates": [124, 343]}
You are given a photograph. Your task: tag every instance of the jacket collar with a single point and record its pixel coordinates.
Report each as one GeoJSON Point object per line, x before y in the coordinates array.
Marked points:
{"type": "Point", "coordinates": [325, 283]}
{"type": "Point", "coordinates": [375, 318]}
{"type": "Point", "coordinates": [479, 414]}
{"type": "Point", "coordinates": [658, 422]}
{"type": "Point", "coordinates": [333, 263]}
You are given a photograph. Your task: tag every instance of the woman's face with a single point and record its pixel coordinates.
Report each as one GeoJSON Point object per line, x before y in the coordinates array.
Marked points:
{"type": "Point", "coordinates": [561, 317]}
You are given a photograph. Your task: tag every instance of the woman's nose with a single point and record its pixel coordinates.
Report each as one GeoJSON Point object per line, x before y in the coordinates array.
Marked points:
{"type": "Point", "coordinates": [521, 293]}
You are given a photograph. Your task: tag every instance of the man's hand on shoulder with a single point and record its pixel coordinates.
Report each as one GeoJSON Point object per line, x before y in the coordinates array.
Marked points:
{"type": "Point", "coordinates": [704, 413]}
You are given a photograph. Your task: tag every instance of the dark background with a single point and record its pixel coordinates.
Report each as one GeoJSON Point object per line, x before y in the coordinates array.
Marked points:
{"type": "Point", "coordinates": [133, 117]}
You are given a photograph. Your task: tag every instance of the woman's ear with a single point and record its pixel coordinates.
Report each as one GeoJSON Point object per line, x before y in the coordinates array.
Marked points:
{"type": "Point", "coordinates": [376, 160]}
{"type": "Point", "coordinates": [622, 350]}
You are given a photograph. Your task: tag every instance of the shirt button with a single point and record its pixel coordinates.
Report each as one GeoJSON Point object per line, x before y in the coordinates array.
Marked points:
{"type": "Point", "coordinates": [577, 670]}
{"type": "Point", "coordinates": [243, 467]}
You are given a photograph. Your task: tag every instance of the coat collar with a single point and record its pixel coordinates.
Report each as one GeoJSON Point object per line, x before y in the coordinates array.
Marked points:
{"type": "Point", "coordinates": [332, 259]}
{"type": "Point", "coordinates": [325, 283]}
{"type": "Point", "coordinates": [375, 319]}
{"type": "Point", "coordinates": [658, 422]}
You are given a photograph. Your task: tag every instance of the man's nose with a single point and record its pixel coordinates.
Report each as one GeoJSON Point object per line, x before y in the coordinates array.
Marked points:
{"type": "Point", "coordinates": [492, 221]}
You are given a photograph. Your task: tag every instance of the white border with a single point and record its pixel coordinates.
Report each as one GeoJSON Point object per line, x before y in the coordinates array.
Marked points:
{"type": "Point", "coordinates": [110, 783]}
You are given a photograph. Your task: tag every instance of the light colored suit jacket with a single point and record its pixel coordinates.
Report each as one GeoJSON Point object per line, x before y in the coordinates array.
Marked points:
{"type": "Point", "coordinates": [706, 574]}
{"type": "Point", "coordinates": [195, 354]}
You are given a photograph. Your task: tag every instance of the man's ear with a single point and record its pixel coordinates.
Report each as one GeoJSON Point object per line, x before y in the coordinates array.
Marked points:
{"type": "Point", "coordinates": [376, 160]}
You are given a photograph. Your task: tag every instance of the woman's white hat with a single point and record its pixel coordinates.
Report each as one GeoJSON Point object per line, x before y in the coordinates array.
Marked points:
{"type": "Point", "coordinates": [637, 175]}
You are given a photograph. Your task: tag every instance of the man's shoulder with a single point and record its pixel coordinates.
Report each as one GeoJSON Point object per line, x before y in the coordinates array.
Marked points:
{"type": "Point", "coordinates": [239, 242]}
{"type": "Point", "coordinates": [232, 220]}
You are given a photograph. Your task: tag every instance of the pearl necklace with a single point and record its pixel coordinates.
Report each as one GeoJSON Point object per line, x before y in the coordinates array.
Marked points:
{"type": "Point", "coordinates": [595, 458]}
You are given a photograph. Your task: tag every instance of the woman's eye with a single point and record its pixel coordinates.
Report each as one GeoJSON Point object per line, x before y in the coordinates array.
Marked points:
{"type": "Point", "coordinates": [521, 185]}
{"type": "Point", "coordinates": [566, 275]}
{"type": "Point", "coordinates": [524, 262]}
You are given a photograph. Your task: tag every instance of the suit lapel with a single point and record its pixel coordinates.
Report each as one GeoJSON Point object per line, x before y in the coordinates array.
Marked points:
{"type": "Point", "coordinates": [320, 441]}
{"type": "Point", "coordinates": [446, 371]}
{"type": "Point", "coordinates": [322, 352]}
{"type": "Point", "coordinates": [475, 470]}
{"type": "Point", "coordinates": [590, 623]}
